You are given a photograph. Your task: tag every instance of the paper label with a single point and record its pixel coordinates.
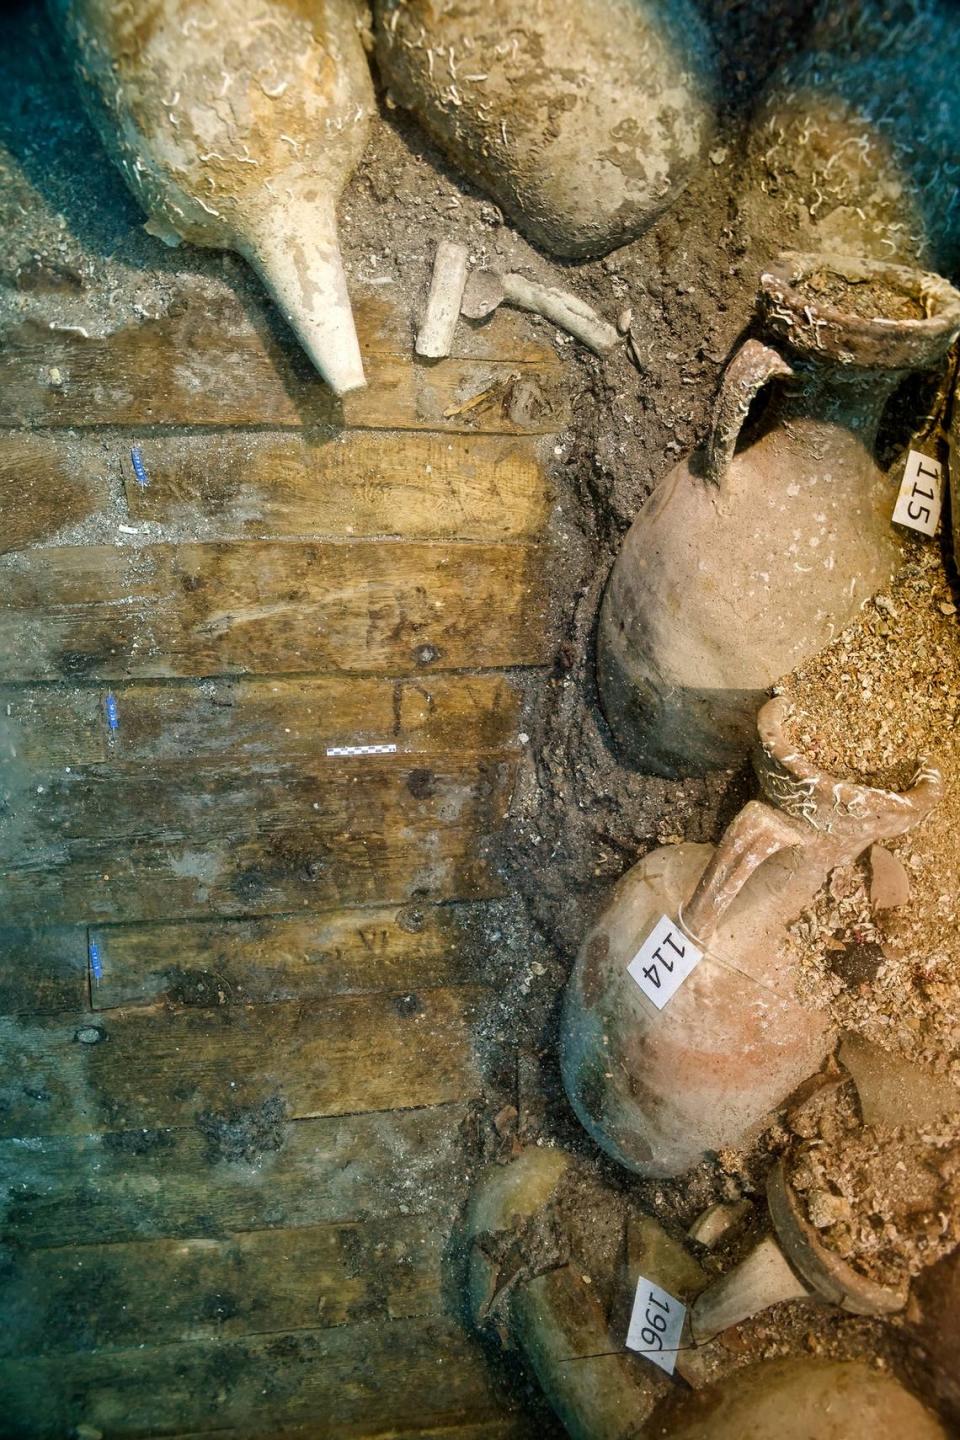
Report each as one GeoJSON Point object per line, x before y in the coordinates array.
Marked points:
{"type": "Point", "coordinates": [921, 494]}
{"type": "Point", "coordinates": [664, 961]}
{"type": "Point", "coordinates": [656, 1322]}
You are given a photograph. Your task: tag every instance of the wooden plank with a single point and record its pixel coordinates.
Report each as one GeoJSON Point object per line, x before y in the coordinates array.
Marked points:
{"type": "Point", "coordinates": [301, 868]}
{"type": "Point", "coordinates": [120, 843]}
{"type": "Point", "coordinates": [351, 1381]}
{"type": "Point", "coordinates": [156, 1067]}
{"type": "Point", "coordinates": [42, 969]}
{"type": "Point", "coordinates": [153, 1292]}
{"type": "Point", "coordinates": [510, 1427]}
{"type": "Point", "coordinates": [241, 962]}
{"type": "Point", "coordinates": [342, 483]}
{"type": "Point", "coordinates": [204, 362]}
{"type": "Point", "coordinates": [104, 806]}
{"type": "Point", "coordinates": [260, 607]}
{"type": "Point", "coordinates": [249, 720]}
{"type": "Point", "coordinates": [46, 484]}
{"type": "Point", "coordinates": [85, 1189]}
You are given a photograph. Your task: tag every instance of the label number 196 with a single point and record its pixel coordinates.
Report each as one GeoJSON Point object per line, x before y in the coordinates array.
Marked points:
{"type": "Point", "coordinates": [656, 1323]}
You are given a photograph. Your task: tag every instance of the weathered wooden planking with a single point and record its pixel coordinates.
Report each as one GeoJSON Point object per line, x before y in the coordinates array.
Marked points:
{"type": "Point", "coordinates": [253, 1173]}
{"type": "Point", "coordinates": [106, 612]}
{"type": "Point", "coordinates": [160, 1067]}
{"type": "Point", "coordinates": [152, 1292]}
{"type": "Point", "coordinates": [43, 969]}
{"type": "Point", "coordinates": [204, 363]}
{"type": "Point", "coordinates": [351, 1381]}
{"type": "Point", "coordinates": [46, 484]}
{"type": "Point", "coordinates": [342, 483]}
{"type": "Point", "coordinates": [250, 720]}
{"type": "Point", "coordinates": [270, 874]}
{"type": "Point", "coordinates": [241, 962]}
{"type": "Point", "coordinates": [138, 842]}
{"type": "Point", "coordinates": [513, 1427]}
{"type": "Point", "coordinates": [104, 806]}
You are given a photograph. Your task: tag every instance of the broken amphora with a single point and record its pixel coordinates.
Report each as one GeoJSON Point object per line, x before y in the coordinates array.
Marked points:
{"type": "Point", "coordinates": [583, 121]}
{"type": "Point", "coordinates": [749, 559]}
{"type": "Point", "coordinates": [660, 1090]}
{"type": "Point", "coordinates": [236, 124]}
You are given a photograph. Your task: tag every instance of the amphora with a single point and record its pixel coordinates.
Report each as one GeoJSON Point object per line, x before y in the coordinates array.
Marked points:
{"type": "Point", "coordinates": [237, 124]}
{"type": "Point", "coordinates": [660, 1089]}
{"type": "Point", "coordinates": [751, 557]}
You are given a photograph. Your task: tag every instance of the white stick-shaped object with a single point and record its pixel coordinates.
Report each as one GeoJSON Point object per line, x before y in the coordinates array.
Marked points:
{"type": "Point", "coordinates": [486, 289]}
{"type": "Point", "coordinates": [435, 339]}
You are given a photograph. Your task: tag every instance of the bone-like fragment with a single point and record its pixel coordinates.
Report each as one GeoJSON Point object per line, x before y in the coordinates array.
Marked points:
{"type": "Point", "coordinates": [482, 295]}
{"type": "Point", "coordinates": [435, 338]}
{"type": "Point", "coordinates": [716, 1221]}
{"type": "Point", "coordinates": [486, 289]}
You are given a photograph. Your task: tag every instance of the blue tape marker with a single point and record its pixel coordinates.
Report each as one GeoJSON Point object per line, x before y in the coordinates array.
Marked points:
{"type": "Point", "coordinates": [96, 968]}
{"type": "Point", "coordinates": [113, 715]}
{"type": "Point", "coordinates": [139, 469]}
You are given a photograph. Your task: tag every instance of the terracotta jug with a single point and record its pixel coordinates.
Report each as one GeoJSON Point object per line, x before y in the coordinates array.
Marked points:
{"type": "Point", "coordinates": [800, 1399]}
{"type": "Point", "coordinates": [750, 558]}
{"type": "Point", "coordinates": [855, 145]}
{"type": "Point", "coordinates": [659, 1090]}
{"type": "Point", "coordinates": [236, 124]}
{"type": "Point", "coordinates": [583, 121]}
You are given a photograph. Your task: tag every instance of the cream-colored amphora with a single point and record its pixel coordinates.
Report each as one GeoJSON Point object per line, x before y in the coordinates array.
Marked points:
{"type": "Point", "coordinates": [750, 558]}
{"type": "Point", "coordinates": [237, 123]}
{"type": "Point", "coordinates": [583, 121]}
{"type": "Point", "coordinates": [854, 145]}
{"type": "Point", "coordinates": [662, 1088]}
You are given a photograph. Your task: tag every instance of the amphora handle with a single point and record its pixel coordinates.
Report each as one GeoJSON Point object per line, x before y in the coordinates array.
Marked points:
{"type": "Point", "coordinates": [753, 366]}
{"type": "Point", "coordinates": [753, 835]}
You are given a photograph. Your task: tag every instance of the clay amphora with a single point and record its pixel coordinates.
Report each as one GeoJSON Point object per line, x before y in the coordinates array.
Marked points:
{"type": "Point", "coordinates": [800, 1399]}
{"type": "Point", "coordinates": [236, 124]}
{"type": "Point", "coordinates": [584, 121]}
{"type": "Point", "coordinates": [855, 146]}
{"type": "Point", "coordinates": [748, 560]}
{"type": "Point", "coordinates": [660, 1090]}
{"type": "Point", "coordinates": [546, 1312]}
